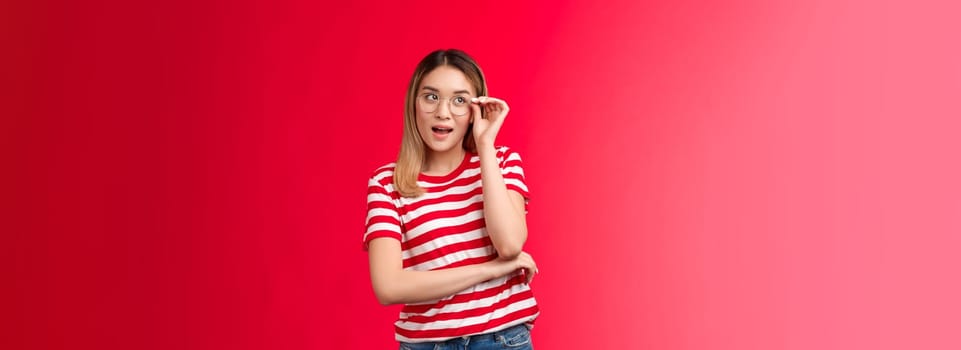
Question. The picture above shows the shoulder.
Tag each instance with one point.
(507, 154)
(383, 175)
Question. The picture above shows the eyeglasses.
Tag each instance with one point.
(459, 104)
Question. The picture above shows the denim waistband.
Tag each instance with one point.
(493, 334)
(491, 337)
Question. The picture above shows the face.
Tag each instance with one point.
(443, 108)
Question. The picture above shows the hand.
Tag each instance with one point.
(523, 262)
(487, 124)
(526, 262)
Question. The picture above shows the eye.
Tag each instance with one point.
(431, 97)
(460, 100)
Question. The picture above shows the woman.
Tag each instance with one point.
(446, 222)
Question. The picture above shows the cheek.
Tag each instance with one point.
(421, 121)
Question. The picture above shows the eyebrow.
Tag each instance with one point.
(455, 92)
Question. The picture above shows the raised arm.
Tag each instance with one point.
(503, 209)
(394, 285)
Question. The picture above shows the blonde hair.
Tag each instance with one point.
(410, 160)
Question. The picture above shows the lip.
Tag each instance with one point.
(440, 136)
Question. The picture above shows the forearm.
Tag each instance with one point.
(505, 220)
(395, 285)
(410, 287)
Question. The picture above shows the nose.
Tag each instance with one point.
(443, 110)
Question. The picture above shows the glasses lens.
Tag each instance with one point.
(427, 102)
(459, 105)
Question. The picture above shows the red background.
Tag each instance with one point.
(705, 174)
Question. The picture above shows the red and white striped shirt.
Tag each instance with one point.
(445, 228)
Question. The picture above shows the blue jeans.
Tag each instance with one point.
(515, 338)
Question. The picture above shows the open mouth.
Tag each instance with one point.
(442, 131)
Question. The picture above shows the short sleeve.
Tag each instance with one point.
(383, 219)
(512, 169)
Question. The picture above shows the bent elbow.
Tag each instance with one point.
(509, 245)
(509, 252)
(385, 294)
(385, 299)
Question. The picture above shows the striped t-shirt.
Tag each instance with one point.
(445, 228)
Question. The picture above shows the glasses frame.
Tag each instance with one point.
(450, 103)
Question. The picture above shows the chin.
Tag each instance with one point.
(445, 147)
(441, 148)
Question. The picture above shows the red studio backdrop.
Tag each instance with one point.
(704, 174)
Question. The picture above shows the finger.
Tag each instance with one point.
(481, 100)
(493, 101)
(475, 111)
(491, 108)
(491, 105)
(488, 106)
(487, 100)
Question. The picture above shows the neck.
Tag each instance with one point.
(440, 163)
